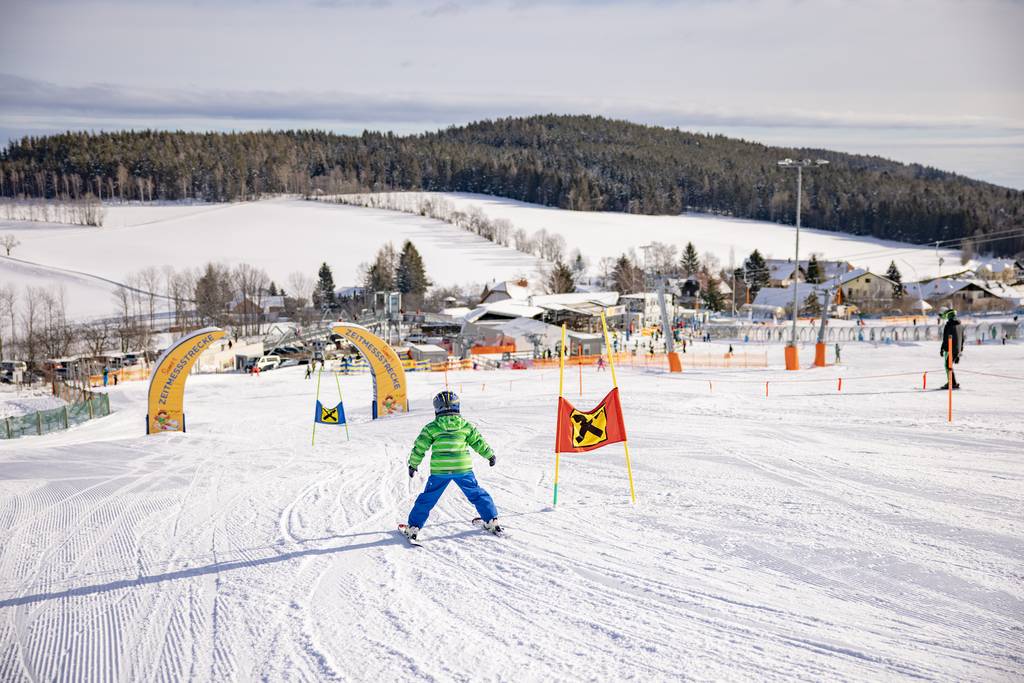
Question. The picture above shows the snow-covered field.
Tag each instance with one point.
(811, 535)
(286, 235)
(598, 234)
(280, 235)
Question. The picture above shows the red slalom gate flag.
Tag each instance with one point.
(580, 431)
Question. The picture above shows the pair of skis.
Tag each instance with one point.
(476, 521)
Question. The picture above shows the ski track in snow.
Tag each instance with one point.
(809, 536)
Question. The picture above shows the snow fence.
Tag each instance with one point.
(86, 407)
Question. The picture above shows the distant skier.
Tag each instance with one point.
(447, 436)
(838, 361)
(106, 375)
(954, 331)
(600, 363)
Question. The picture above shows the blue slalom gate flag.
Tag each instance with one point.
(329, 415)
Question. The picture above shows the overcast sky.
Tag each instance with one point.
(938, 82)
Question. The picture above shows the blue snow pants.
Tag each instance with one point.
(436, 485)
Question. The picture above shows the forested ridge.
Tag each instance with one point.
(572, 162)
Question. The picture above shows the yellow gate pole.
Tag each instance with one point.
(558, 422)
(615, 383)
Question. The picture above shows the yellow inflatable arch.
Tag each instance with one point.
(166, 411)
(389, 390)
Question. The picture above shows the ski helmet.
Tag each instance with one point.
(446, 403)
(949, 314)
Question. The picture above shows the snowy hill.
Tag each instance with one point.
(598, 234)
(281, 236)
(812, 535)
(285, 235)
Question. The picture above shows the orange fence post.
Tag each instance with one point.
(766, 389)
(840, 384)
(924, 381)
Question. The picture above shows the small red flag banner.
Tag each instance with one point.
(580, 431)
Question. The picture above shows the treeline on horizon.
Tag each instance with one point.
(571, 162)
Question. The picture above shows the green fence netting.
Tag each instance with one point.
(46, 421)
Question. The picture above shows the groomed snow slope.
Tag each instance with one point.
(812, 535)
(280, 235)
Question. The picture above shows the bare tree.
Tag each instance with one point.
(9, 242)
(7, 300)
(251, 284)
(150, 279)
(30, 323)
(56, 336)
(95, 337)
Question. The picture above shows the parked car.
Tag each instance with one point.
(13, 371)
(268, 362)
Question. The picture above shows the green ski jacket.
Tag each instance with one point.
(449, 436)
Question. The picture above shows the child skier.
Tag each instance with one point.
(448, 435)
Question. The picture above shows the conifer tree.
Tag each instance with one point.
(411, 275)
(690, 262)
(812, 304)
(627, 277)
(894, 274)
(323, 296)
(561, 280)
(381, 275)
(756, 272)
(814, 275)
(711, 296)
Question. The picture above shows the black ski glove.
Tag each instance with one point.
(492, 460)
(412, 471)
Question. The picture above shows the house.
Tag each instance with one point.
(781, 272)
(968, 295)
(769, 299)
(829, 270)
(999, 269)
(863, 287)
(505, 290)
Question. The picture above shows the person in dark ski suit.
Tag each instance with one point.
(955, 331)
(448, 437)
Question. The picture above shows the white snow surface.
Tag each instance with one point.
(16, 401)
(280, 235)
(811, 535)
(288, 234)
(605, 233)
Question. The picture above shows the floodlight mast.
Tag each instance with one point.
(799, 165)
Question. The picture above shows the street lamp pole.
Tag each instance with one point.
(799, 165)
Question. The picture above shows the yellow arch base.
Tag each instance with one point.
(389, 389)
(166, 411)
